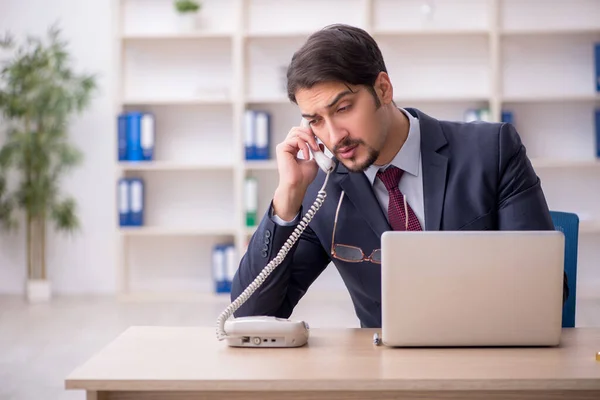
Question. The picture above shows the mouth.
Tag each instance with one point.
(347, 152)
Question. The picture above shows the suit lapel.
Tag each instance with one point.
(435, 168)
(360, 193)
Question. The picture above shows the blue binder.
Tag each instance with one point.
(249, 135)
(136, 136)
(597, 58)
(507, 117)
(136, 202)
(147, 136)
(122, 137)
(134, 143)
(123, 202)
(219, 269)
(262, 125)
(231, 264)
(597, 132)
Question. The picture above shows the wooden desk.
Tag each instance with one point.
(189, 363)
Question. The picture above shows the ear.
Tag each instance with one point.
(384, 88)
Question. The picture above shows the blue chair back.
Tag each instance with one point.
(568, 224)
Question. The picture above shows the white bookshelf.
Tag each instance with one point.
(443, 58)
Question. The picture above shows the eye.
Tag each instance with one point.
(345, 108)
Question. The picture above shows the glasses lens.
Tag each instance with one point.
(376, 257)
(348, 253)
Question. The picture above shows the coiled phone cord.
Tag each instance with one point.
(270, 267)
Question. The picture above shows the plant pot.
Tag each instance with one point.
(38, 290)
(187, 22)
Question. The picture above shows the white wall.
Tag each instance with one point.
(85, 263)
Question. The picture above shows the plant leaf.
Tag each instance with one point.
(64, 216)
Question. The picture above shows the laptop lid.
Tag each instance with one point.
(476, 288)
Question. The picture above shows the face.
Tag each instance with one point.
(347, 120)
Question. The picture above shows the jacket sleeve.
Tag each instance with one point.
(521, 201)
(286, 285)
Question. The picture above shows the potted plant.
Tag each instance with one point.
(187, 11)
(39, 93)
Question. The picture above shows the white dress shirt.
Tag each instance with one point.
(407, 159)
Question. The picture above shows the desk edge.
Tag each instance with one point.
(335, 385)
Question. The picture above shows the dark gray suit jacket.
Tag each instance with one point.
(476, 176)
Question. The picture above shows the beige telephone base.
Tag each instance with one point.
(265, 331)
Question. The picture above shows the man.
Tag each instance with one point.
(395, 169)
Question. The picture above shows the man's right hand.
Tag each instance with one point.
(295, 175)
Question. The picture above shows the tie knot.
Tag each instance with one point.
(390, 177)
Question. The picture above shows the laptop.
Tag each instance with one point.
(476, 288)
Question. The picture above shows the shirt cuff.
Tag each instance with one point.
(282, 222)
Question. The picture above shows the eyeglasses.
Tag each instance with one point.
(349, 253)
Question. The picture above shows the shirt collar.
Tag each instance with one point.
(407, 159)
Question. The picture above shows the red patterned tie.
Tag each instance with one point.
(398, 207)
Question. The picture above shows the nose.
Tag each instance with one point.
(336, 133)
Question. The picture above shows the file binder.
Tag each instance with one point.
(484, 115)
(507, 117)
(597, 132)
(597, 58)
(471, 115)
(251, 201)
(122, 137)
(219, 269)
(134, 144)
(477, 114)
(249, 135)
(140, 136)
(137, 201)
(123, 201)
(231, 264)
(263, 134)
(147, 136)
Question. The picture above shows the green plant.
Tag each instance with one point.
(39, 92)
(185, 6)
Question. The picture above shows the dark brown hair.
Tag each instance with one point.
(339, 53)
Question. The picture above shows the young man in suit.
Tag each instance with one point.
(395, 169)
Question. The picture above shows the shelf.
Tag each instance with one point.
(170, 166)
(262, 165)
(268, 100)
(551, 98)
(163, 231)
(589, 226)
(199, 83)
(430, 32)
(556, 163)
(276, 35)
(442, 99)
(177, 36)
(550, 31)
(176, 101)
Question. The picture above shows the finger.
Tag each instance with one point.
(293, 146)
(306, 151)
(306, 135)
(310, 140)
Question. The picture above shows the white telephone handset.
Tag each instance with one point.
(267, 331)
(324, 162)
